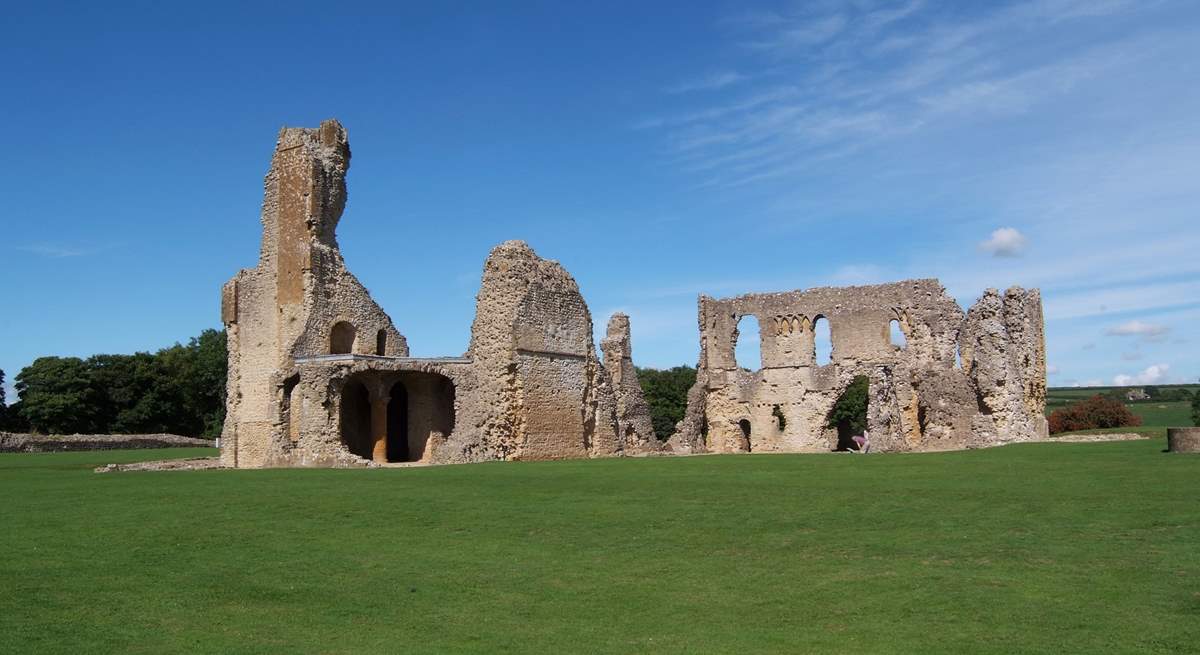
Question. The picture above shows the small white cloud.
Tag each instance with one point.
(1135, 328)
(1094, 382)
(1150, 375)
(1051, 370)
(1005, 242)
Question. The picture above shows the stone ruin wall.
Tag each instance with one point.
(288, 303)
(531, 385)
(633, 414)
(920, 397)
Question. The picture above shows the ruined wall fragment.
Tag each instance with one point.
(919, 398)
(634, 425)
(286, 306)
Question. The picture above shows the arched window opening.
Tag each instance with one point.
(356, 419)
(822, 341)
(381, 342)
(896, 334)
(849, 413)
(745, 427)
(747, 351)
(291, 407)
(341, 338)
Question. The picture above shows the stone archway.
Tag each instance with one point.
(355, 419)
(421, 410)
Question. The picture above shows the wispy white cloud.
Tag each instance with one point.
(53, 251)
(709, 82)
(1136, 328)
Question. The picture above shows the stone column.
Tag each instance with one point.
(1183, 440)
(379, 406)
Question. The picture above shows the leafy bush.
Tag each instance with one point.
(1093, 413)
(849, 413)
(666, 393)
(1196, 409)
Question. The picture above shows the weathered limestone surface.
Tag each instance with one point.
(319, 376)
(633, 414)
(288, 305)
(1183, 440)
(920, 398)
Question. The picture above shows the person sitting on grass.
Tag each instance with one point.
(863, 441)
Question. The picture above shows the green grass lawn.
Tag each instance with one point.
(1037, 548)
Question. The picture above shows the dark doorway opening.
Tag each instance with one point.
(397, 424)
(745, 426)
(356, 419)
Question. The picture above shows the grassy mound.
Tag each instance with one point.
(1051, 548)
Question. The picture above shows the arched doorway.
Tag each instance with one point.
(744, 424)
(849, 413)
(356, 419)
(420, 409)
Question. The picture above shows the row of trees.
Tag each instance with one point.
(181, 390)
(178, 390)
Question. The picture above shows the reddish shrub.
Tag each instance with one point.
(1091, 414)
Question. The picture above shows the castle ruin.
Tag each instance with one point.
(320, 376)
(955, 381)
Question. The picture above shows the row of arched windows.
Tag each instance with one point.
(747, 350)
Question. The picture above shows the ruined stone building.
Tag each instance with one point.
(320, 376)
(954, 381)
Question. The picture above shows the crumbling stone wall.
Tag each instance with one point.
(535, 360)
(13, 442)
(319, 376)
(633, 413)
(287, 305)
(920, 398)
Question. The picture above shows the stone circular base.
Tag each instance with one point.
(1183, 440)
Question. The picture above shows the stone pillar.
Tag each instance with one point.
(379, 406)
(1183, 440)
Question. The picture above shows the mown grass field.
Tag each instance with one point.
(1038, 548)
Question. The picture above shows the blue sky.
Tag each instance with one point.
(658, 152)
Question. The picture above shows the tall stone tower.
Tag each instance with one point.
(299, 301)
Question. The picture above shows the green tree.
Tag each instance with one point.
(849, 413)
(57, 396)
(666, 394)
(180, 389)
(3, 405)
(1196, 409)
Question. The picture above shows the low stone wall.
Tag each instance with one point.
(37, 443)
